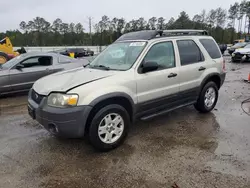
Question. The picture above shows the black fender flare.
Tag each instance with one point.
(207, 78)
(112, 95)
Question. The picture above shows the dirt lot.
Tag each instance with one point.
(182, 147)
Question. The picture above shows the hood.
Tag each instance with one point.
(243, 50)
(66, 80)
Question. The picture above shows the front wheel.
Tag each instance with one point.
(208, 98)
(109, 127)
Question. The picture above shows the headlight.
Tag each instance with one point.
(62, 100)
(233, 54)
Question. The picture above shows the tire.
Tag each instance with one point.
(233, 60)
(3, 58)
(98, 122)
(200, 104)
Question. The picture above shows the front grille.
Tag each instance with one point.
(36, 97)
(239, 56)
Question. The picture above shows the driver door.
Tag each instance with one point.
(22, 79)
(159, 89)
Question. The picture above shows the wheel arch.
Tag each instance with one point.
(119, 98)
(215, 77)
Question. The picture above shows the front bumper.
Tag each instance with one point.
(239, 57)
(64, 122)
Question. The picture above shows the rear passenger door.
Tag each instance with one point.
(192, 66)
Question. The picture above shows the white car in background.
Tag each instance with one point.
(242, 54)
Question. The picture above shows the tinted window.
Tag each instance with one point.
(189, 52)
(37, 61)
(211, 48)
(163, 54)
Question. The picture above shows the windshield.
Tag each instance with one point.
(11, 62)
(241, 44)
(118, 56)
(247, 46)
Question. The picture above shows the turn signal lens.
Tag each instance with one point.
(72, 100)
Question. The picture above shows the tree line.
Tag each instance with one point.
(224, 25)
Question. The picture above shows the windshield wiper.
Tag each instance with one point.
(100, 66)
(86, 65)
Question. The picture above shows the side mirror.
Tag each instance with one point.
(19, 67)
(149, 66)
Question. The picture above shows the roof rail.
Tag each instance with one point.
(180, 32)
(139, 35)
(150, 34)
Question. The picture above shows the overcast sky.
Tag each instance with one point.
(12, 12)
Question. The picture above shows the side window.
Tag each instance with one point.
(64, 59)
(163, 54)
(211, 48)
(189, 52)
(37, 62)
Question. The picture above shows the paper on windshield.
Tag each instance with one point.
(137, 44)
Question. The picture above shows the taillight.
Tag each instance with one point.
(224, 65)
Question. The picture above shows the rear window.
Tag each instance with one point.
(211, 48)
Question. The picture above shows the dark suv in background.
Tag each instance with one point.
(78, 52)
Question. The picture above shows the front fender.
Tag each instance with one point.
(96, 96)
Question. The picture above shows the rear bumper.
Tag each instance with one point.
(222, 78)
(64, 122)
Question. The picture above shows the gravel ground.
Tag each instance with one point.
(183, 147)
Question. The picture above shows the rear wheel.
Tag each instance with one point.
(208, 98)
(3, 58)
(109, 127)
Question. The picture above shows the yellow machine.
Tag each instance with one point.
(6, 50)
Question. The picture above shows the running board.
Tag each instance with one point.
(166, 111)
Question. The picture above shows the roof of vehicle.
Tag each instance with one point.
(34, 54)
(153, 34)
(39, 53)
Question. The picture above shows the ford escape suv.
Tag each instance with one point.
(141, 75)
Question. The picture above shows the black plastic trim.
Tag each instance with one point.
(166, 103)
(112, 95)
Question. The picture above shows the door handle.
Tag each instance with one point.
(202, 68)
(172, 75)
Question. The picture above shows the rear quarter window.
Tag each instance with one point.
(211, 48)
(64, 59)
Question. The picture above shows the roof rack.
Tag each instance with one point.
(151, 34)
(139, 35)
(180, 32)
